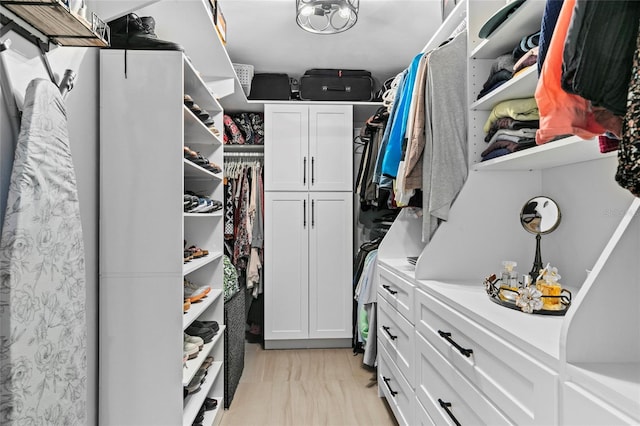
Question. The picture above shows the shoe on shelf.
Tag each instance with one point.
(188, 100)
(194, 340)
(193, 293)
(205, 333)
(207, 362)
(135, 33)
(190, 350)
(210, 404)
(186, 306)
(210, 324)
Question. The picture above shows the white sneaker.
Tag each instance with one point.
(194, 293)
(190, 350)
(195, 340)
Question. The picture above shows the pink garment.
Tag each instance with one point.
(561, 113)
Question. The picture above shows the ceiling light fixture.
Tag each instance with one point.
(326, 16)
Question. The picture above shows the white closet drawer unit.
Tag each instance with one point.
(398, 292)
(395, 388)
(446, 395)
(525, 390)
(421, 416)
(582, 408)
(396, 335)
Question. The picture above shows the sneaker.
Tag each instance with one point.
(208, 324)
(190, 350)
(194, 340)
(131, 32)
(206, 334)
(193, 293)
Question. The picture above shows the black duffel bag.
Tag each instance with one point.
(336, 85)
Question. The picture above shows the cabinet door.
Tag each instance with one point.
(330, 147)
(330, 264)
(286, 147)
(286, 265)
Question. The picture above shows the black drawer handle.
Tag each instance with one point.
(386, 382)
(385, 328)
(388, 288)
(446, 406)
(447, 337)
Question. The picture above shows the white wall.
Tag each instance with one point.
(24, 64)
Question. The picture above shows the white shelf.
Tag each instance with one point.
(195, 87)
(616, 383)
(217, 213)
(196, 264)
(524, 21)
(400, 267)
(198, 308)
(195, 132)
(562, 152)
(193, 171)
(455, 18)
(191, 366)
(193, 402)
(522, 86)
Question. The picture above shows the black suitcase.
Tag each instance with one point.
(270, 86)
(336, 85)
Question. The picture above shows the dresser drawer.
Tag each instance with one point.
(522, 387)
(447, 395)
(396, 334)
(421, 417)
(395, 388)
(397, 291)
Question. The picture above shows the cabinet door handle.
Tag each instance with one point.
(304, 214)
(386, 329)
(304, 171)
(313, 213)
(313, 170)
(388, 288)
(386, 382)
(447, 337)
(445, 406)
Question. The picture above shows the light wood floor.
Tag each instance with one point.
(306, 387)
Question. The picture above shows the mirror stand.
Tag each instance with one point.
(537, 261)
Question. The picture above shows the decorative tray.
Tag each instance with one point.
(527, 299)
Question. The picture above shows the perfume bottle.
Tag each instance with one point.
(509, 280)
(547, 284)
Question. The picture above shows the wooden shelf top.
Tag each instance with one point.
(53, 19)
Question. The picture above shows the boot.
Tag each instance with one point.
(131, 32)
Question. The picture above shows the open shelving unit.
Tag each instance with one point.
(54, 20)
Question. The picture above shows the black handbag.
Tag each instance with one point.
(270, 86)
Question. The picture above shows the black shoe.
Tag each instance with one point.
(207, 324)
(210, 404)
(131, 32)
(205, 333)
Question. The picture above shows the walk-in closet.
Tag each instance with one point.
(395, 212)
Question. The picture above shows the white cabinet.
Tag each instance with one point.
(308, 257)
(308, 147)
(496, 365)
(308, 225)
(143, 177)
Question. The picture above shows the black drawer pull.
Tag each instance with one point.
(385, 328)
(386, 382)
(446, 406)
(447, 337)
(388, 288)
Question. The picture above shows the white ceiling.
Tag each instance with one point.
(388, 34)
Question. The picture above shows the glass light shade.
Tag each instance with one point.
(326, 16)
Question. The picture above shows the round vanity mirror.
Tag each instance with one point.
(540, 215)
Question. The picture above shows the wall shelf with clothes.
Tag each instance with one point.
(571, 361)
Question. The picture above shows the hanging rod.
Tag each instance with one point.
(244, 154)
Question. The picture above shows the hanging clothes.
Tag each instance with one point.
(561, 113)
(628, 171)
(445, 153)
(597, 58)
(43, 338)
